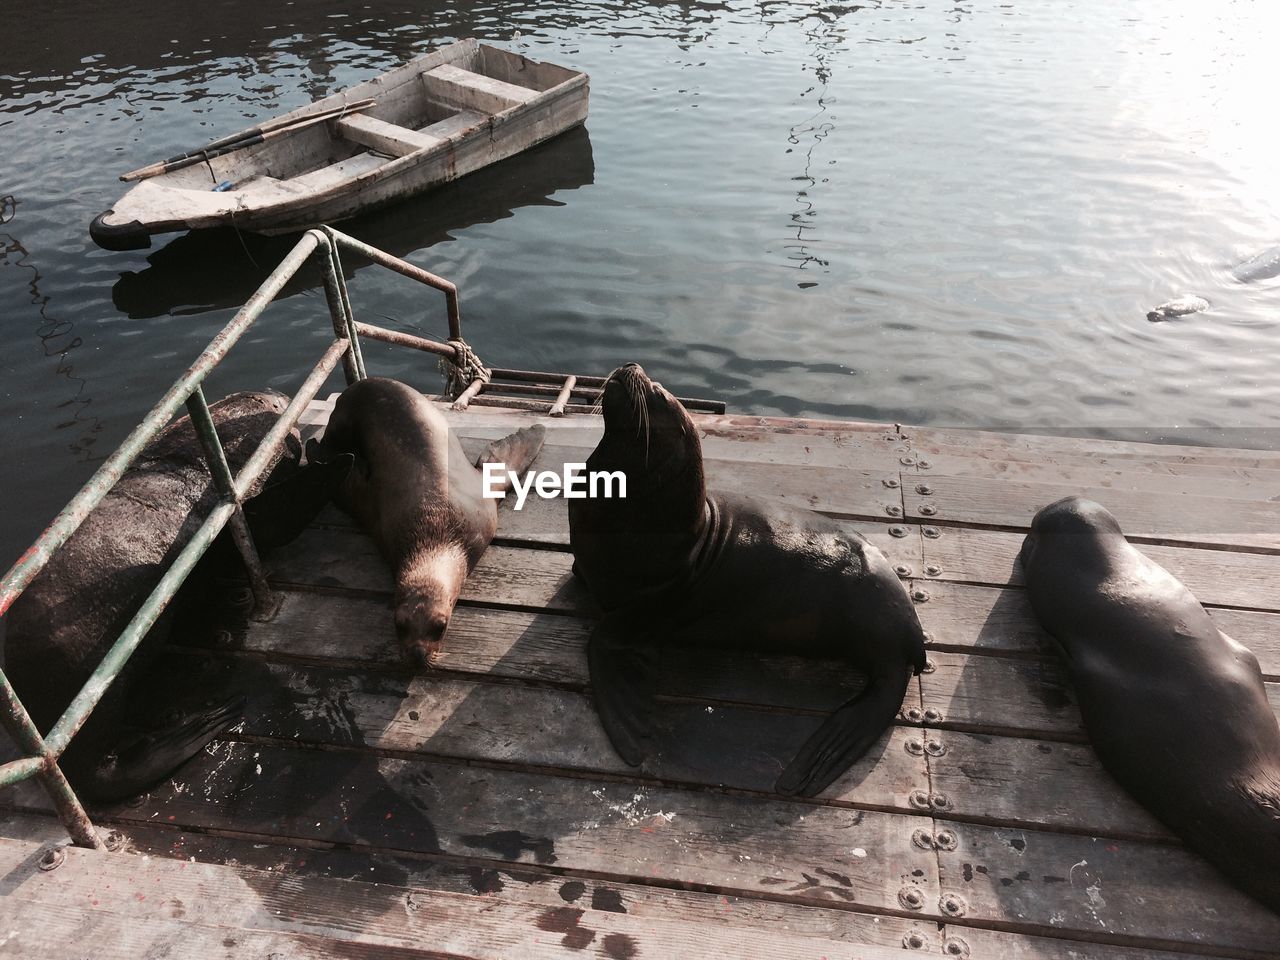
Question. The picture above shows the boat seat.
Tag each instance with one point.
(382, 136)
(466, 90)
(451, 126)
(335, 173)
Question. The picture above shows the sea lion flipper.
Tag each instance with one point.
(622, 686)
(515, 452)
(845, 736)
(136, 761)
(286, 506)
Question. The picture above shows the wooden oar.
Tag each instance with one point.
(245, 138)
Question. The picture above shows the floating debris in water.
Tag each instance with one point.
(1178, 308)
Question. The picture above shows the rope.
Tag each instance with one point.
(463, 368)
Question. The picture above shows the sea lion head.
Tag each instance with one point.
(425, 596)
(629, 545)
(1086, 525)
(648, 431)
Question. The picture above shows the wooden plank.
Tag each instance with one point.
(1033, 783)
(344, 558)
(358, 633)
(524, 883)
(546, 522)
(1153, 895)
(868, 446)
(510, 576)
(1187, 519)
(463, 89)
(987, 620)
(547, 728)
(998, 945)
(723, 438)
(1216, 577)
(335, 173)
(360, 630)
(927, 441)
(241, 904)
(383, 137)
(729, 843)
(454, 125)
(1015, 697)
(65, 930)
(1153, 477)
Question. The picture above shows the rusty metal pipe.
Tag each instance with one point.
(109, 669)
(338, 306)
(42, 763)
(406, 340)
(538, 376)
(542, 389)
(257, 464)
(409, 270)
(354, 359)
(220, 470)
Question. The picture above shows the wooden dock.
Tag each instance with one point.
(484, 814)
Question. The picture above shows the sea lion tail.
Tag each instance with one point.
(516, 452)
(846, 735)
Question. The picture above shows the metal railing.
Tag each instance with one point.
(42, 752)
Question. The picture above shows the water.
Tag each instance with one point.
(907, 212)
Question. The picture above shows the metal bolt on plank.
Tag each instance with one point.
(911, 898)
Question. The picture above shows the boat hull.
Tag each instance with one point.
(447, 114)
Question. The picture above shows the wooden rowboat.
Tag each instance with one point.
(437, 118)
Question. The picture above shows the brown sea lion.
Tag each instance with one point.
(59, 629)
(1176, 710)
(418, 495)
(674, 566)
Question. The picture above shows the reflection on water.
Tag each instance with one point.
(918, 213)
(806, 136)
(57, 340)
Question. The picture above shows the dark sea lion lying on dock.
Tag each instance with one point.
(414, 491)
(1175, 709)
(58, 631)
(674, 566)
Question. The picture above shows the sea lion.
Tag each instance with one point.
(415, 492)
(59, 629)
(1176, 710)
(1181, 307)
(1263, 266)
(674, 566)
